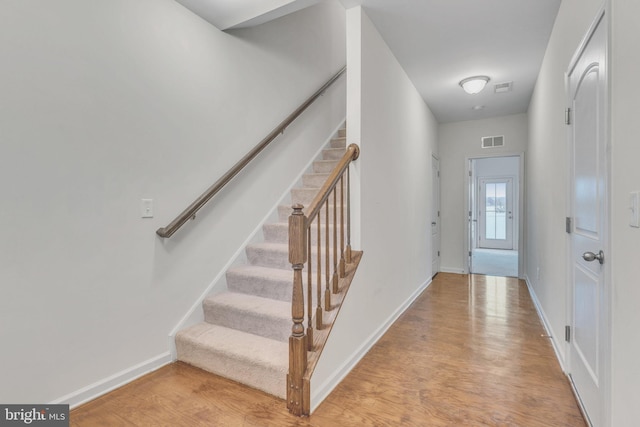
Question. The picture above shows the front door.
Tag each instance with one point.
(587, 83)
(495, 213)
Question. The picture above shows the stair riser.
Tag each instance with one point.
(333, 154)
(342, 133)
(339, 143)
(275, 328)
(280, 290)
(279, 233)
(285, 211)
(314, 180)
(280, 259)
(305, 196)
(265, 378)
(324, 166)
(264, 287)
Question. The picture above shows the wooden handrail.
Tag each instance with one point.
(193, 208)
(300, 224)
(353, 152)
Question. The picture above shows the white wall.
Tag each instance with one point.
(458, 142)
(625, 241)
(397, 137)
(497, 166)
(547, 166)
(108, 102)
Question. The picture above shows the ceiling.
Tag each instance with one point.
(230, 14)
(438, 43)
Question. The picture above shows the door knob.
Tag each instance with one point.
(590, 256)
(433, 223)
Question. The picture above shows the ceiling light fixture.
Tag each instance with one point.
(475, 84)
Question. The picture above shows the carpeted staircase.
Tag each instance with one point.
(245, 333)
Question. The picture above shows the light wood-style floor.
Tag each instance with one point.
(470, 351)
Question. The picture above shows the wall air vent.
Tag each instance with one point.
(492, 141)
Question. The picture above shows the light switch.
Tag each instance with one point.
(634, 212)
(146, 208)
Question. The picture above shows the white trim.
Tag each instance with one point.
(452, 270)
(333, 380)
(583, 411)
(560, 354)
(467, 203)
(113, 382)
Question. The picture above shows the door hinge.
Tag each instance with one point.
(567, 333)
(438, 253)
(469, 173)
(469, 253)
(438, 214)
(439, 174)
(567, 116)
(568, 225)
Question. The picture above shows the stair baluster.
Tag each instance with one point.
(335, 240)
(318, 286)
(327, 291)
(348, 248)
(309, 296)
(342, 261)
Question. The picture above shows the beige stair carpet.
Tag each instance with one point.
(245, 333)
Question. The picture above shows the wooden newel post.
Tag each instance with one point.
(297, 340)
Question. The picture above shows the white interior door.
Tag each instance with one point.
(587, 91)
(495, 213)
(435, 216)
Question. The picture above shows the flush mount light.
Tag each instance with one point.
(474, 84)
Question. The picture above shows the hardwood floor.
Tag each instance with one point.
(470, 351)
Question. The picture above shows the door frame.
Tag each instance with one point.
(469, 178)
(435, 198)
(603, 16)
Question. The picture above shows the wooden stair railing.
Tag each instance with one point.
(193, 208)
(305, 346)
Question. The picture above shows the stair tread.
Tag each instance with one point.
(261, 281)
(260, 271)
(276, 274)
(282, 248)
(274, 246)
(238, 344)
(283, 224)
(250, 303)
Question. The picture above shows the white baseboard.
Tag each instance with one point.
(108, 384)
(332, 382)
(452, 270)
(547, 325)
